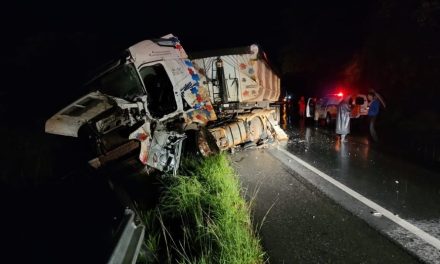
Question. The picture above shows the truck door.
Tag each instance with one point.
(164, 150)
(160, 91)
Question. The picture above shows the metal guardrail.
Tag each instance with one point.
(129, 240)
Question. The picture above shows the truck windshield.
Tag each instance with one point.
(122, 82)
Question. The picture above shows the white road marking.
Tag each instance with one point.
(396, 219)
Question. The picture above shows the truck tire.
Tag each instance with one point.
(199, 143)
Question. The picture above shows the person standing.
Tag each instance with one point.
(302, 107)
(343, 118)
(373, 111)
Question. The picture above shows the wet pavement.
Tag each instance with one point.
(302, 225)
(406, 189)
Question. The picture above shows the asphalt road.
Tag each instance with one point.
(301, 224)
(411, 191)
(407, 189)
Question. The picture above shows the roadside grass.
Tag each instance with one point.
(201, 218)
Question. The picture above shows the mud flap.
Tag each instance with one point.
(165, 151)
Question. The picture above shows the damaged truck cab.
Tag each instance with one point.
(146, 101)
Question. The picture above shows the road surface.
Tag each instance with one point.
(408, 192)
(302, 225)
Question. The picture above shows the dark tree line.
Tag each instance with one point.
(401, 58)
(388, 45)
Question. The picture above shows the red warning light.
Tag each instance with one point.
(340, 94)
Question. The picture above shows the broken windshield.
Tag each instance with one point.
(122, 82)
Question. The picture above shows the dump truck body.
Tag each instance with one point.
(240, 76)
(241, 83)
(153, 94)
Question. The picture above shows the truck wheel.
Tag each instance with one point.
(199, 142)
(206, 143)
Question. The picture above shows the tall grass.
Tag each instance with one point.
(201, 218)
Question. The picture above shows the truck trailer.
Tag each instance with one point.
(153, 97)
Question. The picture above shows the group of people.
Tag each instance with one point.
(344, 115)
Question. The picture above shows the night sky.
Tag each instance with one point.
(314, 45)
(321, 27)
(202, 25)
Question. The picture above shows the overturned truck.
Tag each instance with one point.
(153, 97)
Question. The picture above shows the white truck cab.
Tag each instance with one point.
(152, 97)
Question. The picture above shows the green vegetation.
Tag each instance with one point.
(201, 218)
